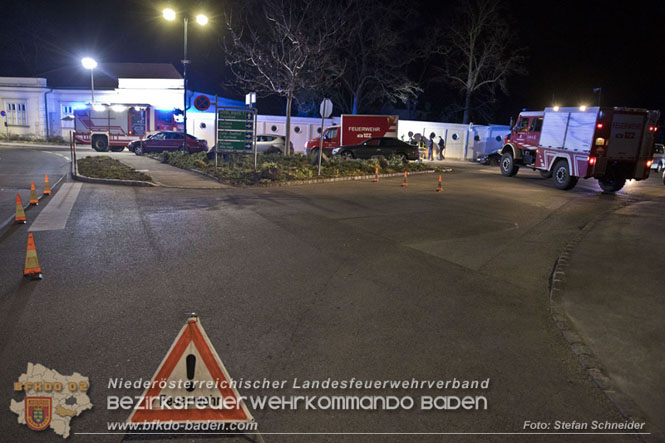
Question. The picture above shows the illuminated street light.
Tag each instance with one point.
(556, 108)
(583, 108)
(89, 63)
(169, 14)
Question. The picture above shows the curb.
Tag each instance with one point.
(111, 181)
(585, 356)
(342, 179)
(10, 221)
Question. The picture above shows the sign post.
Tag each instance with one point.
(325, 110)
(4, 114)
(250, 100)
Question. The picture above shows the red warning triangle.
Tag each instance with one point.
(191, 384)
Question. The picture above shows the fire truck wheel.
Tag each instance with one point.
(561, 175)
(508, 166)
(100, 144)
(546, 174)
(117, 148)
(611, 184)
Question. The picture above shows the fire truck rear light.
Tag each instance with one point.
(600, 141)
(592, 161)
(651, 128)
(599, 126)
(649, 163)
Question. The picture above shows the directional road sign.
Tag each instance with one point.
(235, 129)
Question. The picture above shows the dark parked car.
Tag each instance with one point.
(167, 141)
(379, 146)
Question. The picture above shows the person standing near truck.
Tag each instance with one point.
(442, 148)
(431, 146)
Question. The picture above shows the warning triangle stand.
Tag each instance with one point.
(191, 372)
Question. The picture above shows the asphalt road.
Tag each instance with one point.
(19, 165)
(342, 280)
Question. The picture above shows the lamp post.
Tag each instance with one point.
(91, 64)
(169, 14)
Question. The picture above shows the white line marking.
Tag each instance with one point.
(54, 216)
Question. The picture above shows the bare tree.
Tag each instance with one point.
(481, 53)
(375, 56)
(284, 49)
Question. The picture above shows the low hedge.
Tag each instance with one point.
(238, 169)
(107, 167)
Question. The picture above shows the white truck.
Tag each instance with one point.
(611, 145)
(114, 126)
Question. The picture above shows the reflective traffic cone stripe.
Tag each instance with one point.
(20, 213)
(376, 175)
(31, 268)
(439, 189)
(47, 186)
(404, 183)
(33, 194)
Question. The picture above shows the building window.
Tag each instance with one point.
(16, 113)
(66, 116)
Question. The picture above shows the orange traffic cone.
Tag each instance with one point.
(376, 175)
(47, 186)
(31, 268)
(440, 188)
(33, 194)
(20, 213)
(404, 183)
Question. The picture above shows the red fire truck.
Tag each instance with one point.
(611, 145)
(353, 130)
(115, 126)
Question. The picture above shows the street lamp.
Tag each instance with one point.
(89, 63)
(169, 14)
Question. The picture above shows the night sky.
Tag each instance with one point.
(572, 46)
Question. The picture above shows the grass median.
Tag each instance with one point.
(107, 167)
(238, 169)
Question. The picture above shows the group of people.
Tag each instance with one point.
(433, 147)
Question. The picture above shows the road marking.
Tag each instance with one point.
(54, 216)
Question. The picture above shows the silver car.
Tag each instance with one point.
(271, 144)
(658, 158)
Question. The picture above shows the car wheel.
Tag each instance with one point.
(561, 175)
(508, 166)
(402, 157)
(138, 149)
(546, 174)
(611, 184)
(273, 150)
(347, 155)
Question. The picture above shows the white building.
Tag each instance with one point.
(40, 107)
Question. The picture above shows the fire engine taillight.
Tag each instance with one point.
(649, 163)
(592, 161)
(600, 141)
(599, 126)
(652, 128)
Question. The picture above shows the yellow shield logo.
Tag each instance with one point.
(38, 412)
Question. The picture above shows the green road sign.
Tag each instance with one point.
(234, 135)
(228, 114)
(234, 145)
(246, 125)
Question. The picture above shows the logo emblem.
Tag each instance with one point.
(38, 412)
